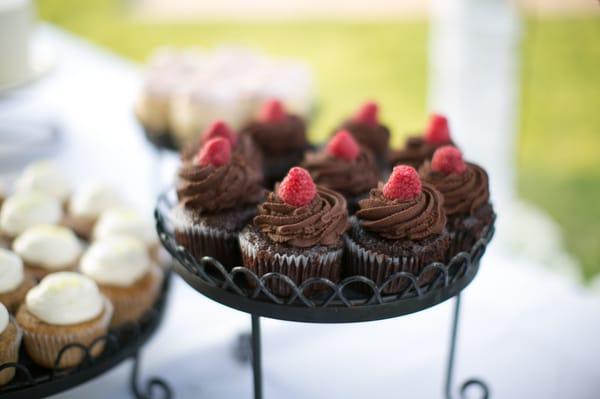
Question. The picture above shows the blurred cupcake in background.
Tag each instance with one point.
(126, 275)
(370, 132)
(27, 209)
(217, 193)
(418, 149)
(46, 249)
(465, 188)
(10, 341)
(14, 282)
(44, 176)
(280, 136)
(344, 166)
(87, 204)
(64, 308)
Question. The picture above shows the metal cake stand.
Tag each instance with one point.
(354, 299)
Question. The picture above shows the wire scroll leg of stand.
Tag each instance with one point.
(154, 388)
(473, 382)
(256, 358)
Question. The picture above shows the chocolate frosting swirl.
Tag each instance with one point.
(278, 138)
(346, 177)
(375, 138)
(415, 152)
(463, 193)
(208, 189)
(415, 219)
(321, 222)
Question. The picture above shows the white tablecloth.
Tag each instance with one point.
(526, 331)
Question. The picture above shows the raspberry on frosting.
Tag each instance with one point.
(367, 114)
(448, 159)
(403, 184)
(215, 152)
(297, 188)
(272, 111)
(219, 128)
(438, 131)
(343, 146)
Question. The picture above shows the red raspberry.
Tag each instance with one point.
(272, 111)
(297, 188)
(343, 146)
(448, 159)
(403, 184)
(367, 114)
(215, 152)
(219, 128)
(438, 131)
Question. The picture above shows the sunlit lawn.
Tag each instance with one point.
(559, 145)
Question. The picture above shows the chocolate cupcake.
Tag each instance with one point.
(466, 196)
(281, 137)
(10, 341)
(344, 166)
(418, 149)
(369, 132)
(242, 145)
(217, 195)
(297, 232)
(400, 227)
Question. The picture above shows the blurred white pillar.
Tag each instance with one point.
(473, 75)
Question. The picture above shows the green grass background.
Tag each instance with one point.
(558, 150)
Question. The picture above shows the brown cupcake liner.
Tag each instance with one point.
(378, 267)
(130, 303)
(298, 268)
(38, 271)
(81, 225)
(464, 233)
(202, 240)
(13, 299)
(44, 342)
(9, 350)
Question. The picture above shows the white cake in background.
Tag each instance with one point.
(16, 22)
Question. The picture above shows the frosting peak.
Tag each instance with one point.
(24, 210)
(11, 271)
(51, 247)
(321, 222)
(414, 219)
(46, 177)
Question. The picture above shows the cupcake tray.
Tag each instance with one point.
(32, 381)
(354, 299)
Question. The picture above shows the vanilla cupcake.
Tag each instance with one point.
(10, 340)
(24, 210)
(86, 205)
(46, 249)
(125, 274)
(65, 308)
(130, 223)
(14, 282)
(45, 177)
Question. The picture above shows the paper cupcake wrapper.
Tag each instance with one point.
(298, 268)
(10, 354)
(131, 306)
(13, 299)
(44, 348)
(378, 267)
(462, 237)
(203, 241)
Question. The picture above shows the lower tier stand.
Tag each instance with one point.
(154, 388)
(473, 382)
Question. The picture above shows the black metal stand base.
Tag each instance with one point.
(154, 387)
(473, 382)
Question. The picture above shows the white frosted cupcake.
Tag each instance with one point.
(45, 177)
(46, 249)
(128, 222)
(14, 282)
(86, 205)
(126, 275)
(10, 340)
(65, 308)
(24, 210)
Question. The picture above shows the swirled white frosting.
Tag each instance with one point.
(65, 298)
(11, 271)
(125, 222)
(3, 318)
(91, 199)
(51, 247)
(44, 176)
(116, 260)
(24, 210)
